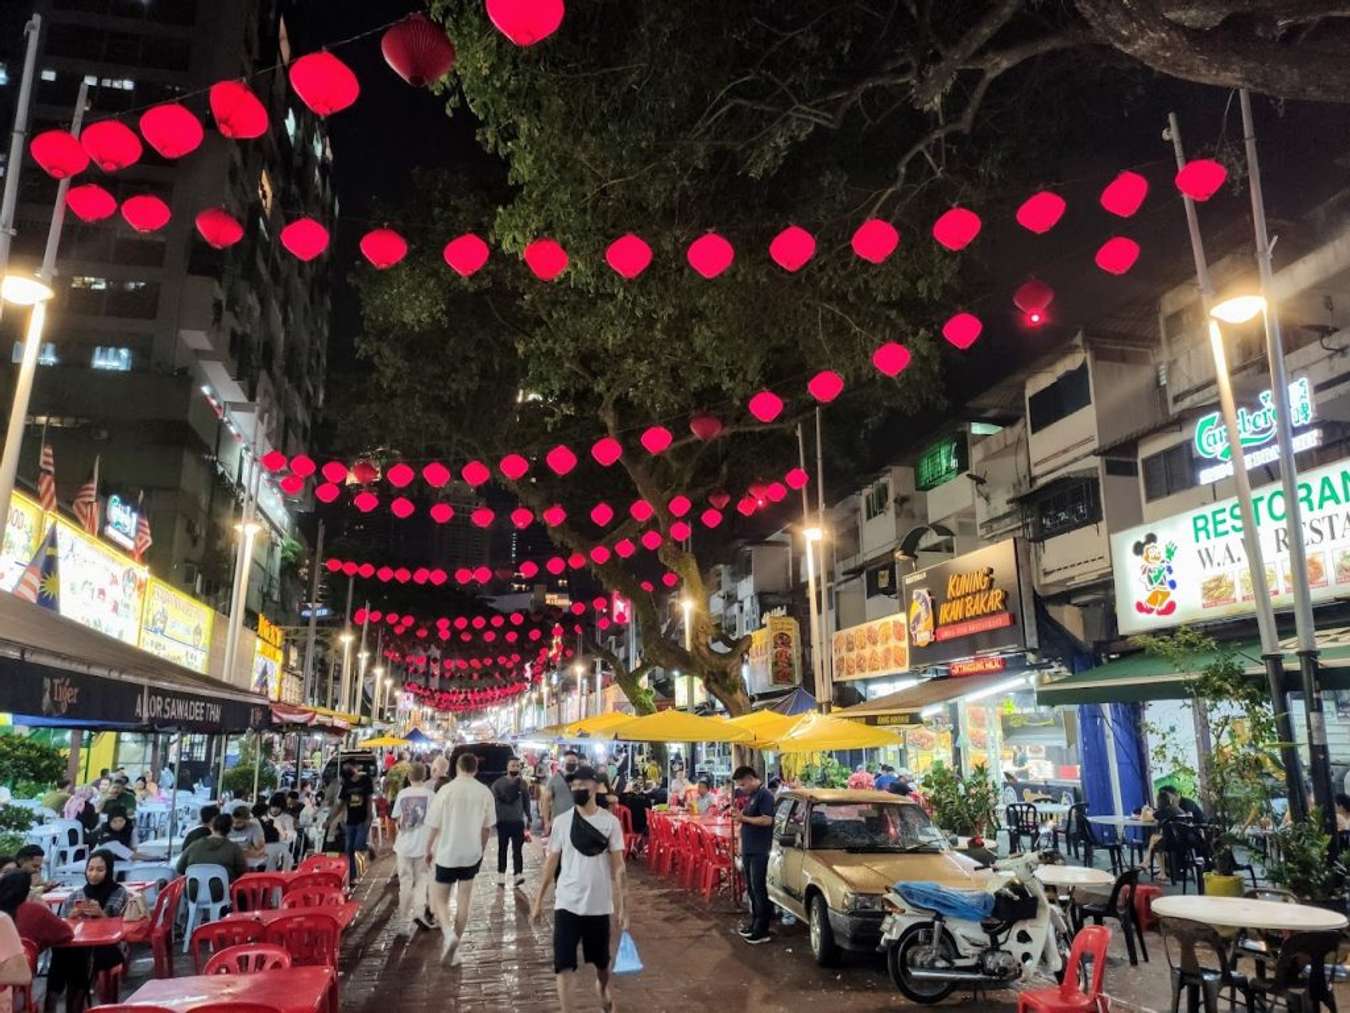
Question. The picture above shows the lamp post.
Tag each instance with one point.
(345, 638)
(579, 670)
(362, 657)
(248, 533)
(824, 682)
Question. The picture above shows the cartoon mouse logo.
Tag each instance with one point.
(1155, 572)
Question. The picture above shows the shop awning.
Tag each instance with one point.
(676, 726)
(822, 733)
(919, 696)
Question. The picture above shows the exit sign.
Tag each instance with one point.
(941, 462)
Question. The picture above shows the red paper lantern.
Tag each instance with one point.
(766, 406)
(305, 238)
(441, 513)
(59, 153)
(776, 492)
(466, 254)
(403, 575)
(402, 508)
(792, 248)
(656, 439)
(111, 144)
(349, 568)
(825, 386)
(526, 22)
(482, 517)
(482, 574)
(640, 510)
(560, 460)
(418, 50)
(462, 576)
(383, 248)
(554, 515)
(333, 565)
(680, 530)
(1200, 178)
(365, 472)
(962, 330)
(710, 255)
(171, 130)
(796, 478)
(326, 492)
(335, 471)
(1125, 194)
(385, 574)
(366, 501)
(601, 514)
(719, 499)
(435, 474)
(237, 111)
(546, 258)
(513, 466)
(90, 202)
(606, 451)
(1033, 298)
(891, 359)
(648, 586)
(555, 565)
(400, 475)
(599, 555)
(624, 547)
(475, 473)
(670, 579)
(145, 213)
(629, 256)
(875, 240)
(1117, 255)
(219, 228)
(420, 576)
(522, 517)
(956, 228)
(1041, 212)
(576, 561)
(679, 505)
(292, 485)
(705, 427)
(711, 517)
(651, 540)
(273, 460)
(528, 569)
(302, 465)
(324, 83)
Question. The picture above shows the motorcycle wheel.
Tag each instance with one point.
(902, 954)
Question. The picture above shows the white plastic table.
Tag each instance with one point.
(1241, 913)
(1072, 875)
(1123, 821)
(159, 847)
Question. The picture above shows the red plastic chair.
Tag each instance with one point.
(313, 898)
(631, 841)
(1091, 941)
(315, 881)
(659, 844)
(233, 1006)
(693, 852)
(311, 938)
(250, 958)
(134, 1007)
(216, 936)
(258, 891)
(326, 863)
(158, 929)
(717, 866)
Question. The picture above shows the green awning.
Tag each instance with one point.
(1140, 677)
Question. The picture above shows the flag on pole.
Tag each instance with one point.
(47, 478)
(143, 540)
(40, 581)
(86, 503)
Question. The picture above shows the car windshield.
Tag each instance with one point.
(873, 826)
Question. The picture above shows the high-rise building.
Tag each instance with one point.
(163, 357)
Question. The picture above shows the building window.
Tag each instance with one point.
(1070, 392)
(46, 357)
(112, 357)
(1169, 472)
(48, 74)
(1071, 505)
(878, 500)
(1122, 467)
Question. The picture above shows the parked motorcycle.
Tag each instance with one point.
(937, 941)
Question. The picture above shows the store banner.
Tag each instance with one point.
(100, 588)
(979, 603)
(268, 657)
(22, 534)
(176, 708)
(869, 650)
(36, 690)
(1192, 567)
(176, 627)
(775, 656)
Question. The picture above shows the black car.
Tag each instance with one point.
(492, 758)
(362, 759)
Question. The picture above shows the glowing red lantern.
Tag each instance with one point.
(418, 50)
(1041, 212)
(475, 473)
(385, 574)
(482, 574)
(441, 513)
(655, 439)
(606, 451)
(402, 508)
(651, 540)
(366, 501)
(560, 460)
(335, 471)
(679, 505)
(629, 256)
(776, 492)
(792, 248)
(670, 579)
(365, 472)
(273, 460)
(640, 510)
(1125, 194)
(875, 240)
(526, 22)
(710, 255)
(111, 144)
(528, 569)
(400, 475)
(237, 111)
(747, 505)
(1199, 179)
(482, 516)
(648, 586)
(601, 514)
(624, 548)
(435, 474)
(383, 248)
(466, 254)
(766, 406)
(719, 499)
(825, 386)
(705, 427)
(599, 555)
(219, 228)
(302, 465)
(326, 492)
(145, 213)
(576, 561)
(333, 565)
(171, 130)
(554, 515)
(403, 575)
(796, 478)
(522, 517)
(555, 565)
(59, 153)
(956, 228)
(513, 466)
(546, 258)
(292, 485)
(90, 202)
(962, 330)
(462, 576)
(1033, 298)
(324, 83)
(305, 238)
(680, 530)
(349, 568)
(1117, 255)
(891, 359)
(420, 576)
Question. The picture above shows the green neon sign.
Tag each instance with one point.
(1256, 427)
(940, 463)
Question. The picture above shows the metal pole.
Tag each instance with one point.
(173, 797)
(361, 656)
(1265, 615)
(18, 140)
(311, 691)
(257, 763)
(344, 693)
(37, 319)
(817, 679)
(243, 560)
(224, 752)
(826, 593)
(1319, 759)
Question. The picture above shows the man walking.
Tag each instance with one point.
(355, 798)
(586, 848)
(756, 820)
(410, 847)
(513, 814)
(461, 817)
(557, 796)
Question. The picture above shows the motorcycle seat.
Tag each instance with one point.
(994, 926)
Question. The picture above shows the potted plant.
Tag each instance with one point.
(1301, 864)
(964, 806)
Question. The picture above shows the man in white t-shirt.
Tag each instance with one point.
(410, 847)
(461, 817)
(589, 890)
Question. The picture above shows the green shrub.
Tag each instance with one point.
(15, 819)
(965, 806)
(238, 779)
(24, 760)
(10, 843)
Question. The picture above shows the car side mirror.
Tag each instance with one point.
(790, 838)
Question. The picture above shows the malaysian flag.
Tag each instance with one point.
(86, 503)
(143, 540)
(47, 478)
(39, 583)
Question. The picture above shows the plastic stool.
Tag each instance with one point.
(1143, 905)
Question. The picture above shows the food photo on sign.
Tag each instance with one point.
(879, 647)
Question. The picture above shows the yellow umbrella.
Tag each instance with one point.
(678, 726)
(767, 726)
(384, 742)
(596, 724)
(819, 733)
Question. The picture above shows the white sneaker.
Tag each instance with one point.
(456, 958)
(449, 943)
(501, 880)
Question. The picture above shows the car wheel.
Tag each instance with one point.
(823, 947)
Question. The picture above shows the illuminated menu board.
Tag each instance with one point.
(22, 535)
(100, 587)
(175, 627)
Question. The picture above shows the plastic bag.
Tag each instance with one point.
(627, 961)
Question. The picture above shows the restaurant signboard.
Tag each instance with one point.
(774, 658)
(872, 649)
(176, 627)
(268, 658)
(100, 588)
(22, 534)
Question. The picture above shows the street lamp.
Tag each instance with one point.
(21, 290)
(812, 536)
(579, 670)
(345, 638)
(248, 532)
(1239, 309)
(24, 290)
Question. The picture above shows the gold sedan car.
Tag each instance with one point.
(836, 852)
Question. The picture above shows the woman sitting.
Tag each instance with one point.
(81, 807)
(34, 920)
(72, 969)
(118, 831)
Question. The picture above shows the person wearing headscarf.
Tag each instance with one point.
(118, 830)
(81, 807)
(72, 969)
(34, 920)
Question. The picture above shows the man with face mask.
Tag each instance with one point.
(557, 796)
(513, 813)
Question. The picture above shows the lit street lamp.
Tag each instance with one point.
(345, 638)
(579, 670)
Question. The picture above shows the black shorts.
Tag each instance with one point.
(457, 873)
(591, 931)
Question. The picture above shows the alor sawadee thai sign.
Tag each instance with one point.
(1192, 567)
(1256, 431)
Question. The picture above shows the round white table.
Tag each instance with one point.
(1051, 808)
(1072, 875)
(1240, 913)
(1123, 821)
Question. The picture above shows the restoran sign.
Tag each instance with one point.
(1192, 567)
(1256, 432)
